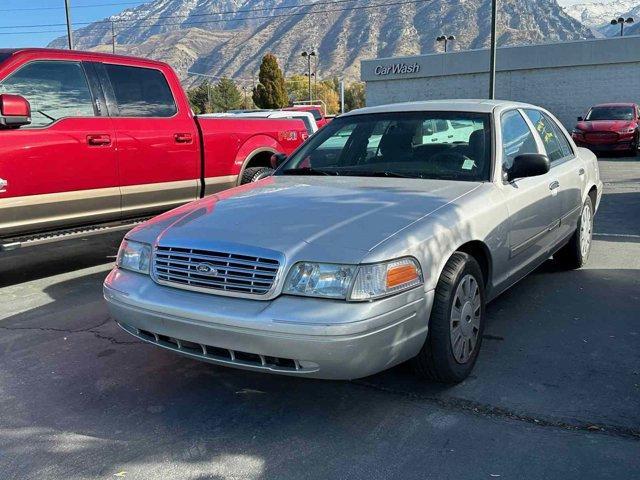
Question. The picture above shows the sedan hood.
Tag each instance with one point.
(605, 125)
(286, 214)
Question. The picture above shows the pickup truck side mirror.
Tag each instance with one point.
(277, 159)
(528, 165)
(15, 111)
(581, 119)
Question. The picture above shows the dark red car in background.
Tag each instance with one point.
(612, 127)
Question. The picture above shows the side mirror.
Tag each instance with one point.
(581, 119)
(528, 165)
(15, 111)
(277, 159)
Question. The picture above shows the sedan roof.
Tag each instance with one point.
(456, 105)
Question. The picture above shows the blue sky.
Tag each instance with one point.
(14, 13)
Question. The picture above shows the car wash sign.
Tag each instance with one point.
(399, 68)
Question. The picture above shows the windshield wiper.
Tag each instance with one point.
(308, 171)
(375, 173)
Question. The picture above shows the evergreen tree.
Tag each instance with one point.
(270, 91)
(226, 96)
(199, 98)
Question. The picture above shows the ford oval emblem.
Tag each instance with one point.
(206, 269)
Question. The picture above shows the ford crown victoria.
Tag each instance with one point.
(373, 245)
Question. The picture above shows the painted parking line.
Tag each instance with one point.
(617, 235)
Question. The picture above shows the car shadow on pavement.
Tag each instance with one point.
(32, 263)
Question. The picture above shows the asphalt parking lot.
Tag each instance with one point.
(555, 394)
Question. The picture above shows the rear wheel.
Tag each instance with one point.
(575, 254)
(253, 174)
(456, 324)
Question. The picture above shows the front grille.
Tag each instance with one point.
(214, 270)
(602, 136)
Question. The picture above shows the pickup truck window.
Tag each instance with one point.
(141, 92)
(393, 145)
(55, 90)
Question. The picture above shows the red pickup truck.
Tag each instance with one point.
(89, 140)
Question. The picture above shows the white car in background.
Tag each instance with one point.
(306, 117)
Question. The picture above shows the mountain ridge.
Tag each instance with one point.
(194, 35)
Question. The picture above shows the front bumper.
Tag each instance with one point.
(622, 145)
(289, 335)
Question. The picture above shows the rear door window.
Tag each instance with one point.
(141, 92)
(555, 143)
(55, 90)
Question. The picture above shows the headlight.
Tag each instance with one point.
(134, 256)
(320, 280)
(352, 282)
(627, 130)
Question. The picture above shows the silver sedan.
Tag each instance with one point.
(380, 240)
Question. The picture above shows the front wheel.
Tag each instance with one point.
(456, 324)
(575, 254)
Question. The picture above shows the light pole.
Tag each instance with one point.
(113, 37)
(621, 21)
(315, 82)
(446, 39)
(67, 8)
(492, 60)
(308, 55)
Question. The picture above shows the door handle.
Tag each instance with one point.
(183, 138)
(3, 185)
(98, 140)
(554, 185)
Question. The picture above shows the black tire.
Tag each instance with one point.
(253, 174)
(436, 361)
(572, 256)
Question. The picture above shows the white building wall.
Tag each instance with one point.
(564, 78)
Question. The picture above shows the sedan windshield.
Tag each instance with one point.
(610, 113)
(435, 145)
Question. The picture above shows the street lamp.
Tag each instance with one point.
(308, 55)
(621, 21)
(446, 39)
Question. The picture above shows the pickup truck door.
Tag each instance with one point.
(157, 139)
(61, 170)
(567, 168)
(533, 205)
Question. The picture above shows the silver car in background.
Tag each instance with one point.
(377, 242)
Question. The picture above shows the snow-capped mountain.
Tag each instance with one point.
(597, 15)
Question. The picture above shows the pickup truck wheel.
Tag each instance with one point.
(576, 253)
(253, 174)
(456, 324)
